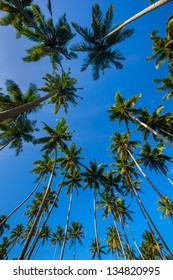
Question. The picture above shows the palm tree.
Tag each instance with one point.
(124, 111)
(15, 236)
(55, 139)
(51, 39)
(167, 85)
(16, 132)
(149, 246)
(100, 54)
(45, 235)
(122, 146)
(126, 170)
(3, 224)
(93, 249)
(140, 14)
(112, 242)
(155, 159)
(75, 233)
(60, 89)
(3, 248)
(73, 182)
(163, 207)
(94, 177)
(57, 239)
(162, 47)
(13, 14)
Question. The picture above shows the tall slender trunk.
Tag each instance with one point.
(47, 217)
(119, 238)
(151, 130)
(147, 217)
(74, 252)
(54, 255)
(95, 227)
(14, 112)
(66, 226)
(149, 181)
(140, 14)
(29, 237)
(15, 209)
(27, 16)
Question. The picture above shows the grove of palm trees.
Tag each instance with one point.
(86, 130)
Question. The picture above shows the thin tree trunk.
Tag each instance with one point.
(166, 132)
(14, 112)
(95, 227)
(47, 217)
(119, 238)
(125, 235)
(74, 252)
(54, 255)
(147, 217)
(151, 130)
(15, 209)
(27, 16)
(66, 227)
(151, 184)
(7, 143)
(28, 239)
(140, 14)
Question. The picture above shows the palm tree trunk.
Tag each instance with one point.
(125, 235)
(134, 241)
(140, 14)
(149, 181)
(6, 144)
(54, 255)
(119, 238)
(14, 112)
(47, 217)
(15, 209)
(27, 16)
(147, 217)
(151, 130)
(29, 237)
(66, 226)
(74, 252)
(95, 228)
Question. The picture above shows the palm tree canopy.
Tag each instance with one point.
(65, 88)
(167, 85)
(17, 131)
(75, 232)
(166, 213)
(51, 40)
(99, 52)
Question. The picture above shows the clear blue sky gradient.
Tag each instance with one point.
(89, 119)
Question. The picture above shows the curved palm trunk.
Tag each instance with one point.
(147, 217)
(14, 112)
(119, 238)
(140, 14)
(95, 227)
(66, 226)
(27, 16)
(29, 237)
(149, 181)
(15, 209)
(151, 130)
(46, 219)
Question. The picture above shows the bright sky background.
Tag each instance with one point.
(89, 119)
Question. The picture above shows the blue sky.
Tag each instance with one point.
(89, 119)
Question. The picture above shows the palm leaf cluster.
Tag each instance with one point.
(100, 53)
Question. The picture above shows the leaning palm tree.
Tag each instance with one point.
(16, 236)
(56, 137)
(112, 242)
(60, 89)
(100, 54)
(75, 234)
(3, 224)
(140, 14)
(155, 159)
(123, 111)
(167, 85)
(13, 134)
(94, 177)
